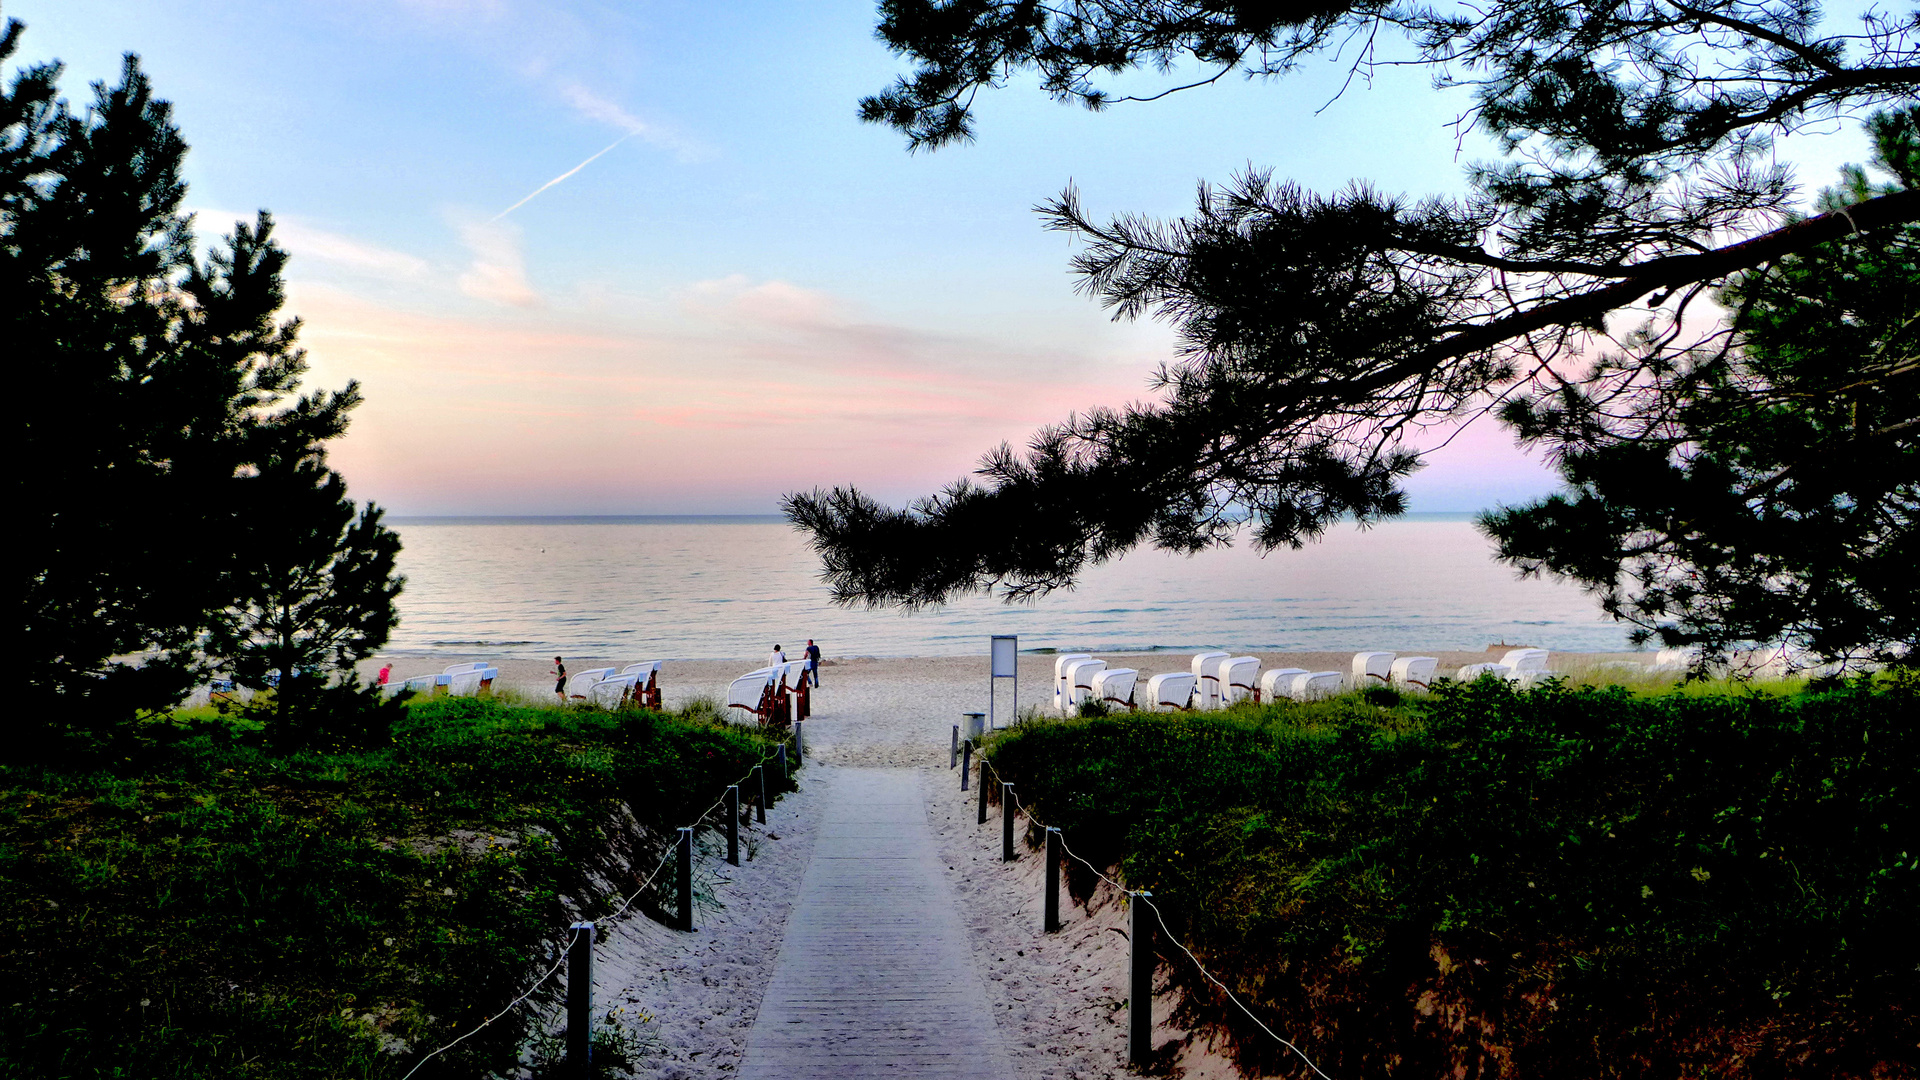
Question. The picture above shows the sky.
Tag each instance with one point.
(642, 258)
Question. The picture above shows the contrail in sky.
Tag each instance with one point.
(559, 178)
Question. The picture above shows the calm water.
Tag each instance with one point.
(730, 587)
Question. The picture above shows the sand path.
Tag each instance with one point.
(876, 976)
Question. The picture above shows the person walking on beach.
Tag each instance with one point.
(386, 672)
(776, 657)
(813, 661)
(560, 675)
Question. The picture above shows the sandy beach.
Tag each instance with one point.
(899, 712)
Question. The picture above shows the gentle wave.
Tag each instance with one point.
(731, 587)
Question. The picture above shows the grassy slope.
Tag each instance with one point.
(1491, 883)
(205, 909)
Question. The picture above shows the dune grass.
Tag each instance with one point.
(199, 907)
(1491, 882)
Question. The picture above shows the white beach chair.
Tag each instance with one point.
(424, 684)
(1239, 679)
(465, 683)
(1518, 660)
(1315, 685)
(646, 682)
(794, 684)
(1061, 686)
(1473, 671)
(1371, 669)
(751, 691)
(582, 681)
(1114, 686)
(1413, 673)
(1173, 690)
(459, 669)
(1277, 683)
(1080, 675)
(1673, 659)
(612, 692)
(1206, 679)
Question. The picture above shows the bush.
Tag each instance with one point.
(205, 909)
(1500, 882)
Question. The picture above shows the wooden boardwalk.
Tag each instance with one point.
(875, 976)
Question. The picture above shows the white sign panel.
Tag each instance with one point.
(1006, 656)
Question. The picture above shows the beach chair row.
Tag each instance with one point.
(613, 688)
(460, 680)
(1219, 679)
(773, 695)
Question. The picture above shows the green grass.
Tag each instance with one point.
(202, 908)
(1568, 881)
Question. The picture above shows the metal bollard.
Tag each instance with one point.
(733, 824)
(580, 1001)
(1050, 917)
(1006, 822)
(685, 876)
(1140, 982)
(953, 753)
(966, 764)
(983, 788)
(760, 807)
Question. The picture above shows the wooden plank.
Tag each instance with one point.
(875, 976)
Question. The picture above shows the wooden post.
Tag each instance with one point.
(953, 753)
(580, 1001)
(793, 708)
(783, 761)
(760, 809)
(983, 788)
(1050, 918)
(799, 741)
(966, 764)
(685, 876)
(733, 824)
(1006, 822)
(1140, 981)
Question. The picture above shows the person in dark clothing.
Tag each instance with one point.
(813, 661)
(560, 673)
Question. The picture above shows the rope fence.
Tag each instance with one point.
(1140, 999)
(578, 953)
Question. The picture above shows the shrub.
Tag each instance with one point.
(1501, 882)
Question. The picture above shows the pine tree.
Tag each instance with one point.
(158, 395)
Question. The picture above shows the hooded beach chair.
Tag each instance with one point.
(1173, 690)
(1062, 688)
(1206, 679)
(611, 692)
(1239, 679)
(583, 681)
(1518, 660)
(798, 687)
(465, 683)
(752, 692)
(646, 682)
(1080, 675)
(1413, 673)
(1473, 671)
(1315, 685)
(1372, 669)
(1114, 686)
(425, 684)
(1276, 683)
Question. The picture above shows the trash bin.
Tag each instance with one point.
(974, 726)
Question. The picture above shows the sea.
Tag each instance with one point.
(723, 587)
